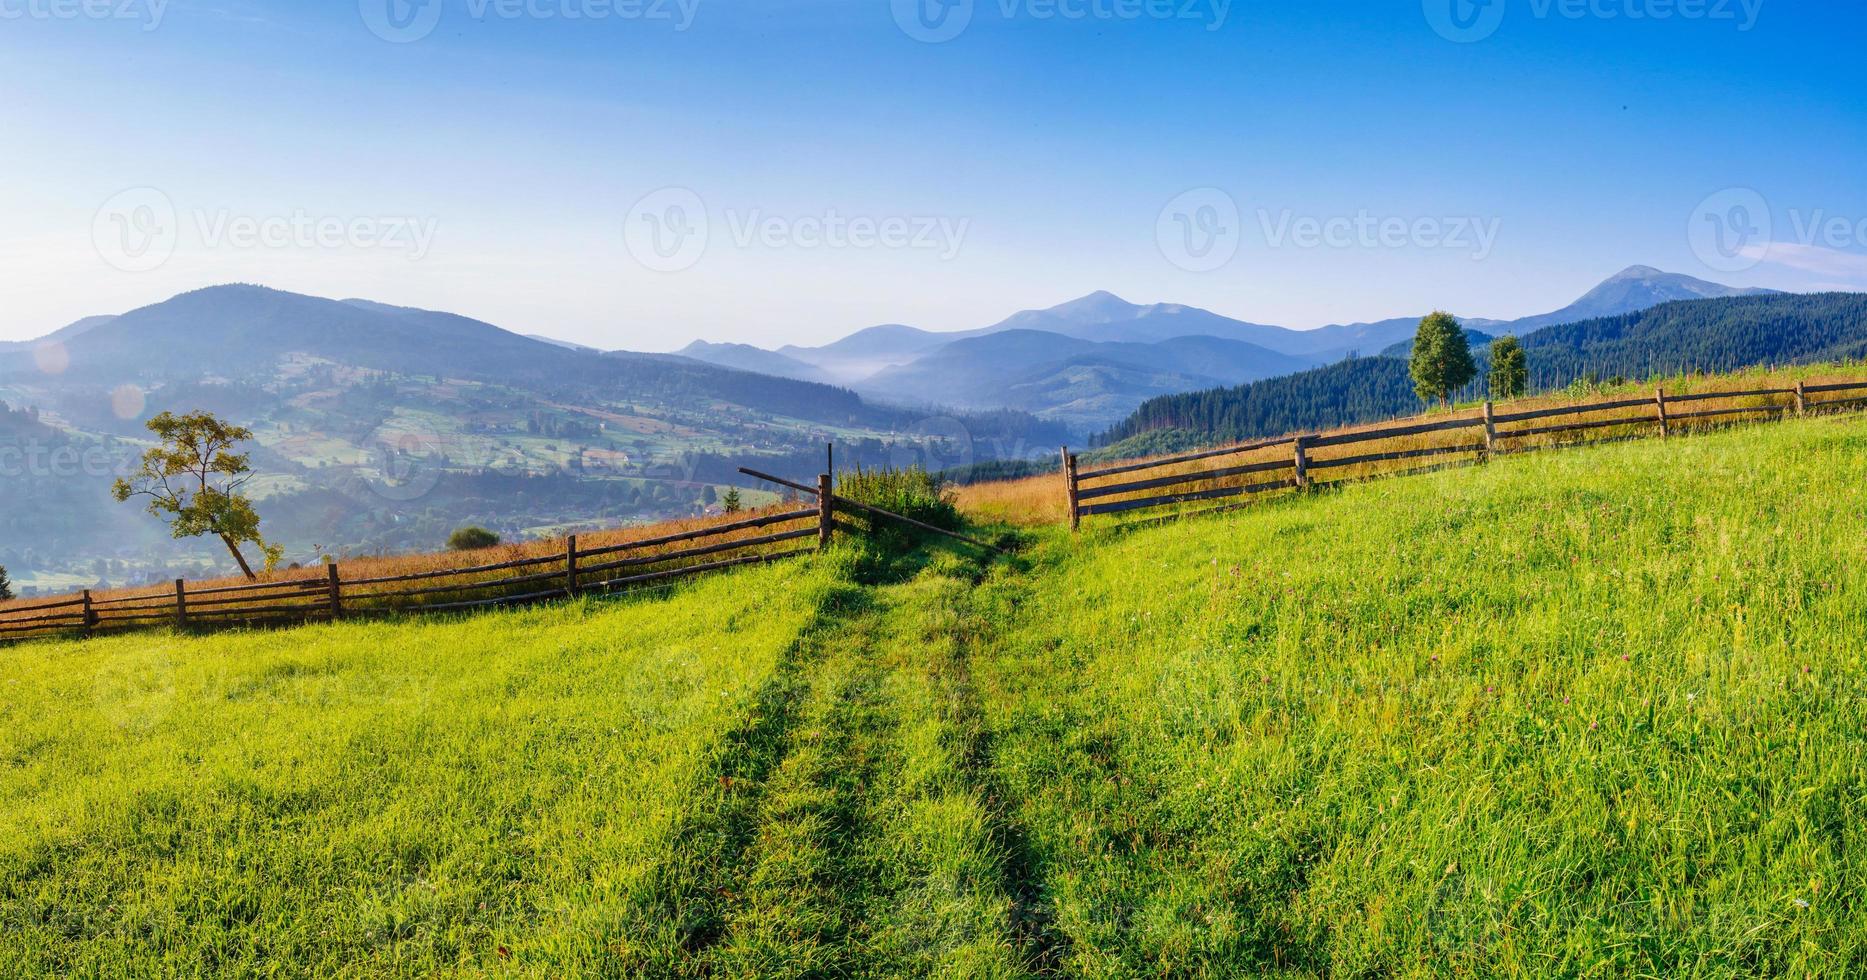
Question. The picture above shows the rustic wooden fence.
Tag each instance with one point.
(1294, 462)
(330, 595)
(571, 572)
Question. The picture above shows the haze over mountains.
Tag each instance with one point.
(1089, 362)
(381, 427)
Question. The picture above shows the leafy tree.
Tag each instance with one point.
(471, 538)
(1442, 359)
(1510, 369)
(193, 479)
(730, 502)
(6, 585)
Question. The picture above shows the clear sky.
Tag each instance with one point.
(840, 164)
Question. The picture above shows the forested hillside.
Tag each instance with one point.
(1708, 335)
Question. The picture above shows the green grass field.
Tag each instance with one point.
(1595, 712)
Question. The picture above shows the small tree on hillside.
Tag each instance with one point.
(730, 501)
(193, 480)
(1510, 369)
(6, 585)
(1442, 359)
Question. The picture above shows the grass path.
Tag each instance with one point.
(877, 851)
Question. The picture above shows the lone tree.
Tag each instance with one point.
(730, 502)
(193, 480)
(1510, 370)
(6, 585)
(1442, 359)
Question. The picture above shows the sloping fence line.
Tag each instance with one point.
(1089, 496)
(330, 596)
(563, 574)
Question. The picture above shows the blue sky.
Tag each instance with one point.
(514, 163)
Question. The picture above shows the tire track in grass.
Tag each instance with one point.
(681, 913)
(803, 884)
(880, 847)
(969, 865)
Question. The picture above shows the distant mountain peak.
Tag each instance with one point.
(1100, 306)
(1637, 272)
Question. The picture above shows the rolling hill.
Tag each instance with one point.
(1076, 381)
(745, 357)
(1706, 335)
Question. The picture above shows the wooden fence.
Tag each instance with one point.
(570, 572)
(1294, 462)
(328, 595)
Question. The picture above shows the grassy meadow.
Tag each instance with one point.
(1584, 713)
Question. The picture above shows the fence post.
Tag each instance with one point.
(1301, 455)
(1659, 398)
(90, 615)
(181, 604)
(1490, 432)
(1070, 489)
(570, 566)
(334, 589)
(1802, 400)
(826, 511)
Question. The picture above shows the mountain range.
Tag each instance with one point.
(381, 428)
(1089, 362)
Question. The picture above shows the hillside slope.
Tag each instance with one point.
(1711, 335)
(1594, 712)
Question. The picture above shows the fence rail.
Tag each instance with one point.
(573, 571)
(602, 570)
(1498, 433)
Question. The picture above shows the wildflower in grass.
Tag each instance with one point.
(1802, 903)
